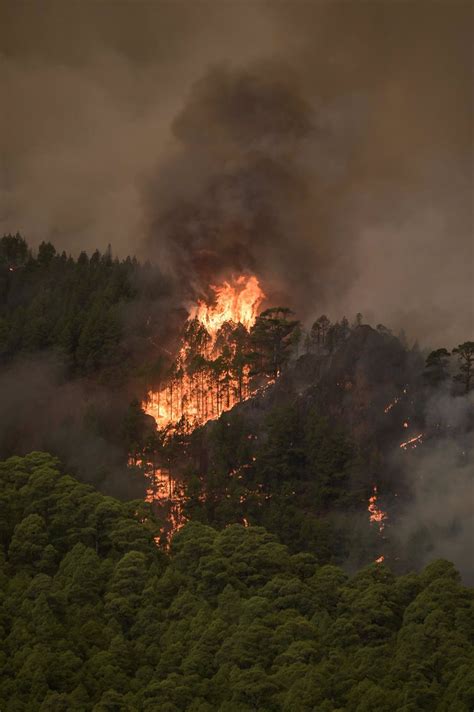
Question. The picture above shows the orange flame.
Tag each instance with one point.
(200, 396)
(412, 442)
(203, 393)
(238, 302)
(376, 515)
(164, 491)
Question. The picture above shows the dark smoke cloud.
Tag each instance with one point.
(329, 147)
(249, 200)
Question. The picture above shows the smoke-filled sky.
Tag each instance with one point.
(324, 145)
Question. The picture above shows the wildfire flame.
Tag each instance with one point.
(206, 379)
(164, 491)
(376, 515)
(238, 302)
(203, 393)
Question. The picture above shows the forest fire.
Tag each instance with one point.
(210, 373)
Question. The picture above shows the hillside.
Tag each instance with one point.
(333, 432)
(338, 430)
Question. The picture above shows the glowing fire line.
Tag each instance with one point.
(412, 442)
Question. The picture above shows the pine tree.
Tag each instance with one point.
(465, 353)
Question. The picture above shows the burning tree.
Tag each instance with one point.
(212, 370)
(227, 352)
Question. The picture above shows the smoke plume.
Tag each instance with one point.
(327, 146)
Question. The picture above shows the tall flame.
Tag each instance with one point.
(207, 378)
(238, 302)
(204, 391)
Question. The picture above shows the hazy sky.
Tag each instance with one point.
(326, 145)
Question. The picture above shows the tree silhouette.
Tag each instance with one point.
(465, 353)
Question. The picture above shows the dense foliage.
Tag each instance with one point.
(95, 617)
(102, 315)
(303, 459)
(74, 307)
(74, 342)
(304, 468)
(293, 472)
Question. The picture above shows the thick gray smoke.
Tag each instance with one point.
(248, 196)
(438, 519)
(327, 146)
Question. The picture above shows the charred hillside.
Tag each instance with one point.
(353, 384)
(329, 456)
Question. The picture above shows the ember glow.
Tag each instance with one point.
(412, 442)
(165, 492)
(393, 403)
(208, 376)
(376, 515)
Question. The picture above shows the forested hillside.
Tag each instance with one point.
(81, 309)
(74, 347)
(236, 356)
(324, 417)
(305, 457)
(95, 617)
